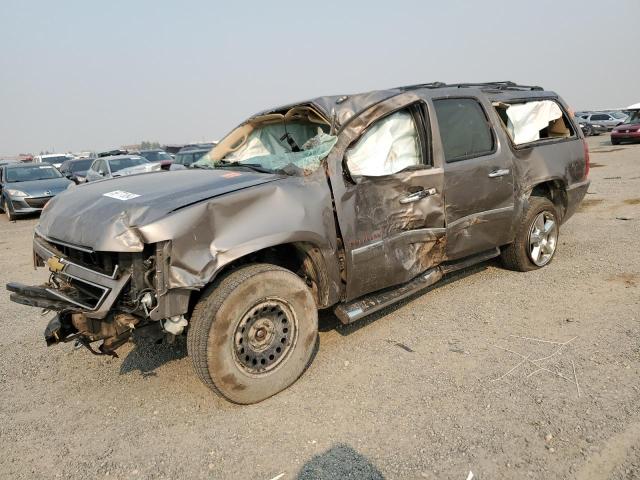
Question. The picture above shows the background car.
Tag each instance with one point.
(27, 187)
(116, 166)
(187, 157)
(158, 155)
(628, 131)
(589, 129)
(76, 170)
(608, 120)
(55, 159)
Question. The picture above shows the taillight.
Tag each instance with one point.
(586, 157)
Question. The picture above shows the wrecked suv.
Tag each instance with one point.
(350, 203)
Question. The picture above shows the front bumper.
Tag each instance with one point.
(575, 194)
(625, 135)
(86, 290)
(25, 205)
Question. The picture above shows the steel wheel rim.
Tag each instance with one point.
(265, 336)
(543, 238)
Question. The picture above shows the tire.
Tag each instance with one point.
(615, 141)
(236, 338)
(520, 254)
(7, 211)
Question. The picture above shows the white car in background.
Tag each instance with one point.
(119, 166)
(55, 159)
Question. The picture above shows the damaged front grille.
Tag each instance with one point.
(79, 292)
(80, 278)
(102, 262)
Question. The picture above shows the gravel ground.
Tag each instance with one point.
(428, 389)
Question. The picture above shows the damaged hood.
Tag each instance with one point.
(105, 215)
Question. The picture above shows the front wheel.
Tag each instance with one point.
(536, 238)
(253, 333)
(7, 211)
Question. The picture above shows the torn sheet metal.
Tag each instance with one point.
(218, 219)
(88, 216)
(386, 241)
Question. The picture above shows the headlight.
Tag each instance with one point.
(17, 193)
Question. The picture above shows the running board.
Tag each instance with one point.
(363, 306)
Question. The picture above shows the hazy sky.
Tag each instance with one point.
(94, 75)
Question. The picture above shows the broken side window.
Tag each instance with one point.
(532, 121)
(388, 146)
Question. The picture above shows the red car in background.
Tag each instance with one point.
(629, 130)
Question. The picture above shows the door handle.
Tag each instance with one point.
(419, 195)
(501, 172)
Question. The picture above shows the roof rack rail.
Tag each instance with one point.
(503, 85)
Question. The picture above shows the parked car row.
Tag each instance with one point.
(48, 175)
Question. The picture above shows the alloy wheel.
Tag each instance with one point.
(543, 238)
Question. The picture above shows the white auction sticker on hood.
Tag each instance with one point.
(120, 195)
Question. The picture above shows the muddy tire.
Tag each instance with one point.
(7, 211)
(536, 237)
(253, 333)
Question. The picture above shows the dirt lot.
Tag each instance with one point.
(434, 388)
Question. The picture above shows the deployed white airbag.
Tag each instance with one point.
(387, 147)
(266, 141)
(527, 119)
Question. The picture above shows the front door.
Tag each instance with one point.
(388, 195)
(478, 176)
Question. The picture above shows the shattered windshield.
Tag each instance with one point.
(290, 148)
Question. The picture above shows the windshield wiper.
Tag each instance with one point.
(253, 166)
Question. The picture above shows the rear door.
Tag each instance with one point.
(388, 195)
(478, 177)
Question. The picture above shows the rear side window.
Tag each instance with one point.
(534, 121)
(464, 129)
(600, 116)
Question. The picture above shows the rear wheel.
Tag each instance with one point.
(536, 239)
(253, 333)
